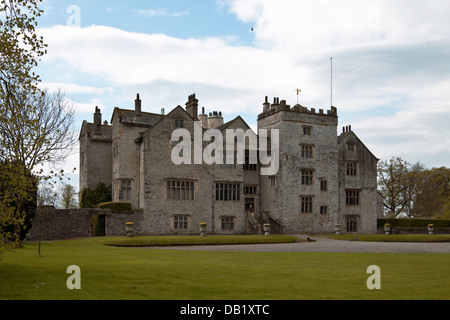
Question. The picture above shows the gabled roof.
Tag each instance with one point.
(227, 124)
(173, 110)
(88, 127)
(146, 119)
(346, 134)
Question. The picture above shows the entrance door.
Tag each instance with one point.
(352, 223)
(98, 225)
(250, 205)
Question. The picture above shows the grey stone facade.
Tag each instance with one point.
(323, 179)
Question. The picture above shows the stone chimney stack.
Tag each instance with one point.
(192, 106)
(97, 121)
(215, 120)
(203, 117)
(137, 105)
(266, 105)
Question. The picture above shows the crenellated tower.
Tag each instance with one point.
(303, 195)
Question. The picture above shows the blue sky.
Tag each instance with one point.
(391, 70)
(181, 19)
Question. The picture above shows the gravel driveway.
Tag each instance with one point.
(322, 244)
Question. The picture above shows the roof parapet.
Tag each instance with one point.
(277, 106)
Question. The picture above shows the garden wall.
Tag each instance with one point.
(59, 224)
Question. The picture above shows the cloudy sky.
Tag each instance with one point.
(390, 66)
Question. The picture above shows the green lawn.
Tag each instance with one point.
(109, 273)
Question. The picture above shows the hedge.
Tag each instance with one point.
(419, 223)
(115, 206)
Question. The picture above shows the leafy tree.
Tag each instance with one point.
(393, 183)
(414, 191)
(39, 129)
(431, 190)
(90, 198)
(46, 195)
(20, 47)
(34, 125)
(68, 195)
(17, 206)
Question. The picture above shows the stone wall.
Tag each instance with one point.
(115, 223)
(56, 224)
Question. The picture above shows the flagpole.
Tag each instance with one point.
(331, 87)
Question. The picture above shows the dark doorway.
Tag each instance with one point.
(250, 205)
(352, 223)
(98, 225)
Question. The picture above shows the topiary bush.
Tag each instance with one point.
(115, 206)
(413, 223)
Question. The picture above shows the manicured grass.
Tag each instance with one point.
(147, 241)
(119, 273)
(394, 237)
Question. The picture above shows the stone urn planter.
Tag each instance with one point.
(266, 228)
(129, 228)
(337, 229)
(430, 228)
(202, 226)
(387, 228)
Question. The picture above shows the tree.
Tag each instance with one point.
(431, 190)
(89, 198)
(17, 206)
(414, 191)
(68, 195)
(42, 135)
(35, 126)
(393, 182)
(46, 195)
(20, 47)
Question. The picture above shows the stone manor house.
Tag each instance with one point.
(323, 180)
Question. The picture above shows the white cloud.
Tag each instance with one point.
(318, 25)
(418, 135)
(72, 88)
(126, 58)
(160, 12)
(389, 66)
(112, 9)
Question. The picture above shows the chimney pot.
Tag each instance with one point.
(137, 105)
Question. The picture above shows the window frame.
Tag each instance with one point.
(307, 177)
(307, 151)
(307, 130)
(227, 223)
(352, 197)
(228, 191)
(177, 122)
(183, 219)
(351, 168)
(180, 190)
(306, 204)
(324, 185)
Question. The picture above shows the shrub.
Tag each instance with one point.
(411, 223)
(115, 206)
(89, 198)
